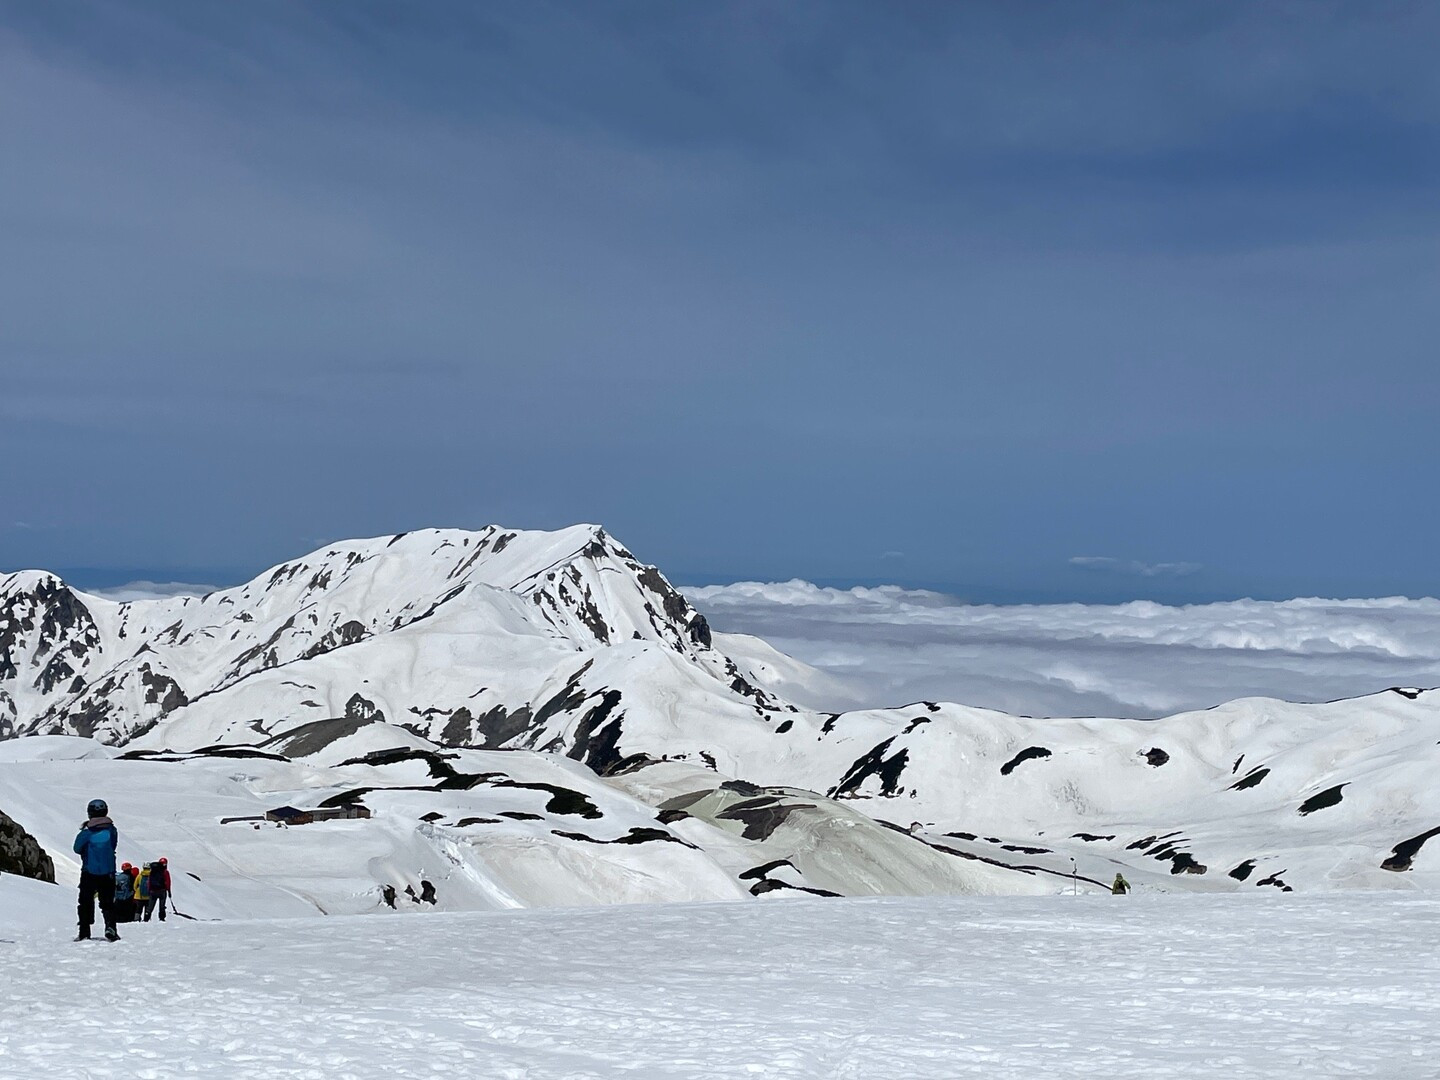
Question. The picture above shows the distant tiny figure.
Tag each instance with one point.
(95, 844)
(1121, 886)
(159, 876)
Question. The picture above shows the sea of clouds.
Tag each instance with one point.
(151, 590)
(892, 646)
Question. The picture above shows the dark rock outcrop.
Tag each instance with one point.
(1029, 753)
(21, 853)
(875, 763)
(1326, 798)
(1250, 779)
(1403, 854)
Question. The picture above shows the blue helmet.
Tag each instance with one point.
(97, 808)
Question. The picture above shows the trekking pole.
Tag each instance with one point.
(1074, 879)
(192, 918)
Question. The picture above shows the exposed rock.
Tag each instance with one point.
(874, 763)
(1403, 855)
(1183, 862)
(21, 853)
(361, 708)
(636, 835)
(1326, 798)
(1276, 881)
(595, 744)
(348, 633)
(761, 817)
(1250, 779)
(699, 631)
(1028, 754)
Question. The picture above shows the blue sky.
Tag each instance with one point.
(1023, 301)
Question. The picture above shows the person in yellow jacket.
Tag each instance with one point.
(142, 888)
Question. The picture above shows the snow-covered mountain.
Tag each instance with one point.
(443, 631)
(431, 676)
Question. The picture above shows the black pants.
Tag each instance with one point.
(150, 906)
(96, 887)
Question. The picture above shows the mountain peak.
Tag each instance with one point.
(71, 664)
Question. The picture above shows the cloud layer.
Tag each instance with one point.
(151, 590)
(767, 289)
(890, 646)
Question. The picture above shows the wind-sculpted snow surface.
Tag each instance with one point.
(355, 667)
(1242, 987)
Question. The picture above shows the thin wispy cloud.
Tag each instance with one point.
(1134, 566)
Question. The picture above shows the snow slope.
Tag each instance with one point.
(1179, 986)
(488, 830)
(565, 646)
(448, 631)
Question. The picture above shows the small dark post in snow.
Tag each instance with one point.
(1074, 878)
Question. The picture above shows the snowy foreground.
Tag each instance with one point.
(1146, 986)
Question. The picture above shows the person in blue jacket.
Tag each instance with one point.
(96, 845)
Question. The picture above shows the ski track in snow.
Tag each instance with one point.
(1145, 986)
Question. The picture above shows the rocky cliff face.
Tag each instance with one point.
(21, 854)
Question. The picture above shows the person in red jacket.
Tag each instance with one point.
(159, 888)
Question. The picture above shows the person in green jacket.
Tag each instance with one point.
(1121, 886)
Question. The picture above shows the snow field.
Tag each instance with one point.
(563, 644)
(1146, 986)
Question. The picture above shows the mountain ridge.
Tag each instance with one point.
(564, 644)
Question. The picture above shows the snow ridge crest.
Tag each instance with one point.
(76, 664)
